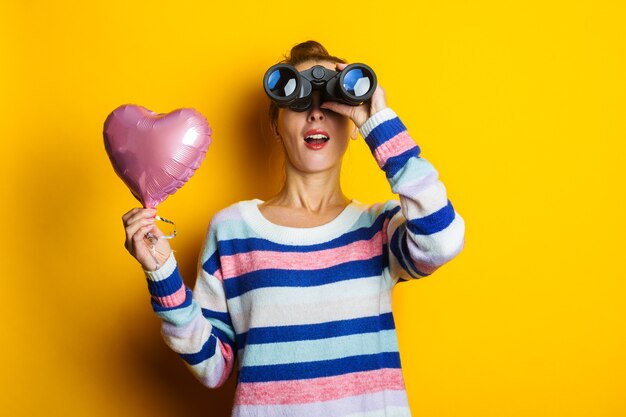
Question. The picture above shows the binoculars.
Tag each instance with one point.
(287, 87)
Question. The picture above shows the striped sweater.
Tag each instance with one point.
(307, 312)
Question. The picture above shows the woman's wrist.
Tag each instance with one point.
(163, 269)
(376, 119)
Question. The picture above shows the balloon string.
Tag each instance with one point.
(154, 239)
(171, 235)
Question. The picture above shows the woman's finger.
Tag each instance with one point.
(148, 249)
(378, 100)
(128, 214)
(132, 228)
(135, 228)
(140, 214)
(140, 239)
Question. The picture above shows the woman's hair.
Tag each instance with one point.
(303, 52)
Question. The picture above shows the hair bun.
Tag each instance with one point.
(309, 51)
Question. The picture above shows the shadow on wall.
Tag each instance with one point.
(173, 388)
(259, 175)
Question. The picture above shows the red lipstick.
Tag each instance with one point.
(316, 139)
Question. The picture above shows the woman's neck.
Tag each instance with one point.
(312, 192)
(306, 199)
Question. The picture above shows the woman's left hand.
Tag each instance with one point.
(358, 114)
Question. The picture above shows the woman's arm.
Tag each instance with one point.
(196, 324)
(424, 232)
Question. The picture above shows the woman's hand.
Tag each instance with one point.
(358, 114)
(138, 223)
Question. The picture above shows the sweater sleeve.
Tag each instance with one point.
(196, 324)
(424, 231)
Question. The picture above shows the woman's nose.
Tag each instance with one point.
(315, 112)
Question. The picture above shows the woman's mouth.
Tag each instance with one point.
(316, 140)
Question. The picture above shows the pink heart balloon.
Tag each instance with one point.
(155, 154)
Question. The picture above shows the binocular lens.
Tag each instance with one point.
(356, 82)
(282, 82)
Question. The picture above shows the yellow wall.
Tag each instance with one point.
(520, 107)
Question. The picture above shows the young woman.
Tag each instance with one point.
(298, 288)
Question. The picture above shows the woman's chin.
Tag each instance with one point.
(316, 166)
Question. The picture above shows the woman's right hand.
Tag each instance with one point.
(138, 223)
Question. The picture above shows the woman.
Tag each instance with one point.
(298, 287)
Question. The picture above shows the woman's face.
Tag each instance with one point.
(314, 140)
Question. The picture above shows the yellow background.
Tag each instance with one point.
(520, 106)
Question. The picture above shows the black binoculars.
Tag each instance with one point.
(287, 87)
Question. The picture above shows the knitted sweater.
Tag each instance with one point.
(307, 311)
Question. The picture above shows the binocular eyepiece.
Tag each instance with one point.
(287, 87)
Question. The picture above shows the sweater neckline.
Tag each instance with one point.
(299, 235)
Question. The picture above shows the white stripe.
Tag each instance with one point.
(387, 412)
(375, 120)
(321, 294)
(163, 272)
(438, 248)
(297, 235)
(211, 370)
(236, 228)
(428, 201)
(395, 404)
(188, 338)
(304, 312)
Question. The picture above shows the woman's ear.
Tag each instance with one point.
(355, 132)
(275, 130)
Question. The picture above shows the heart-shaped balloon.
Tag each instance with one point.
(155, 154)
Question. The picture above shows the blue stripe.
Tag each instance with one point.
(308, 278)
(212, 265)
(399, 247)
(397, 162)
(224, 338)
(293, 333)
(223, 318)
(393, 212)
(167, 286)
(434, 222)
(235, 246)
(319, 369)
(383, 132)
(385, 255)
(405, 249)
(217, 315)
(188, 299)
(207, 351)
(395, 247)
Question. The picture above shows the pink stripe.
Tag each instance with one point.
(218, 275)
(319, 389)
(242, 263)
(400, 143)
(173, 300)
(227, 353)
